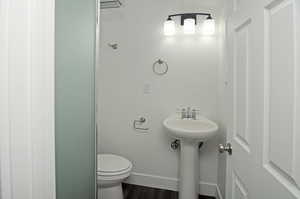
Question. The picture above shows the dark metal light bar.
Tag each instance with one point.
(190, 16)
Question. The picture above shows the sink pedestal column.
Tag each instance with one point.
(189, 178)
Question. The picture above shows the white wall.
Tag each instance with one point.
(123, 74)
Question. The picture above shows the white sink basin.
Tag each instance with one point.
(199, 130)
(190, 132)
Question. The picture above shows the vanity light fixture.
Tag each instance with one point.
(189, 26)
(169, 27)
(209, 26)
(189, 22)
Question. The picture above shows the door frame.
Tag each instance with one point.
(27, 99)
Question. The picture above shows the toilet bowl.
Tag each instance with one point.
(112, 170)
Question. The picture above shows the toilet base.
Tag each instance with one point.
(113, 192)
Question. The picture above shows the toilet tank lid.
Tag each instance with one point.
(112, 163)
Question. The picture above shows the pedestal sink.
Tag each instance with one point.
(190, 132)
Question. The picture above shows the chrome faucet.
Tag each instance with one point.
(188, 113)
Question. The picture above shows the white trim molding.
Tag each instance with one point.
(160, 182)
(27, 153)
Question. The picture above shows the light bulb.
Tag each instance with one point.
(209, 27)
(189, 26)
(169, 27)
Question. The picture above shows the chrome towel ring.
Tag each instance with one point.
(160, 67)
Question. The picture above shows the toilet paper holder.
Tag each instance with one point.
(139, 122)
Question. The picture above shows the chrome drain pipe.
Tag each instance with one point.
(176, 144)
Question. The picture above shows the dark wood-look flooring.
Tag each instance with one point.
(141, 192)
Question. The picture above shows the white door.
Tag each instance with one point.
(264, 85)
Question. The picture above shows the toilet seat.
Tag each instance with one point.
(112, 170)
(112, 165)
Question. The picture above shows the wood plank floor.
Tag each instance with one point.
(141, 192)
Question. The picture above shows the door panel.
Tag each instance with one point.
(279, 86)
(263, 44)
(240, 83)
(280, 90)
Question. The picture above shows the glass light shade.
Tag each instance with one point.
(189, 26)
(169, 28)
(209, 27)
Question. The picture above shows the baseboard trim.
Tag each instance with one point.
(160, 182)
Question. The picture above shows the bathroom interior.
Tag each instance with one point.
(150, 99)
(146, 74)
(152, 68)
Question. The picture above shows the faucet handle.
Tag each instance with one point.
(182, 112)
(195, 113)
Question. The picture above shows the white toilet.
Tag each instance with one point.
(112, 170)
